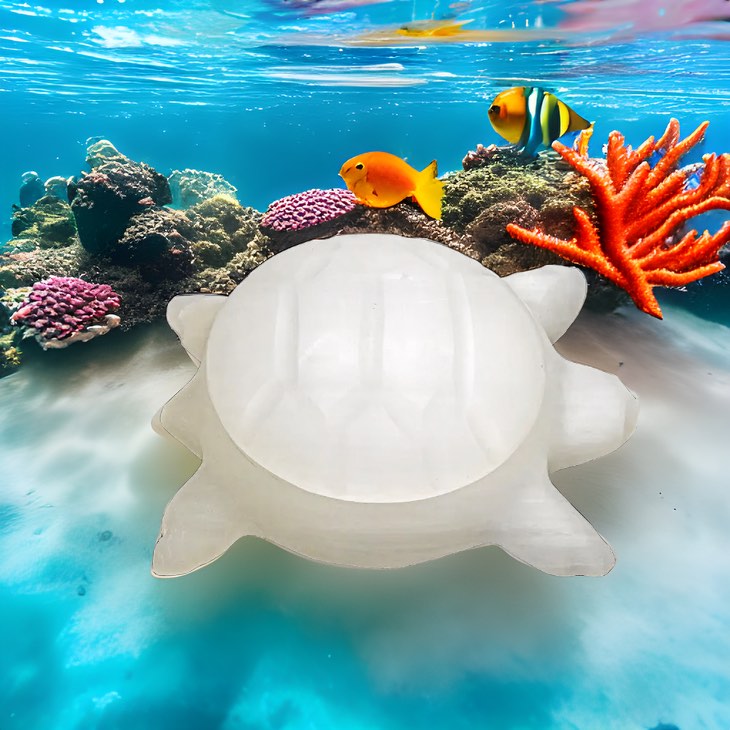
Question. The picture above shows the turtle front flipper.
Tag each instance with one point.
(553, 294)
(191, 317)
(200, 523)
(546, 532)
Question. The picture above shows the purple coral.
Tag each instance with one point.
(311, 214)
(62, 309)
(310, 208)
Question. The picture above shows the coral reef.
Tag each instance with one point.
(223, 228)
(162, 252)
(491, 153)
(48, 223)
(10, 355)
(99, 151)
(190, 187)
(23, 268)
(57, 187)
(224, 279)
(217, 244)
(31, 189)
(148, 253)
(638, 209)
(159, 241)
(311, 214)
(61, 310)
(509, 178)
(107, 198)
(505, 187)
(407, 219)
(145, 252)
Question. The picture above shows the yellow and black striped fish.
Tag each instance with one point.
(528, 116)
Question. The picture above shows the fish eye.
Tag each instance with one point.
(359, 166)
(494, 109)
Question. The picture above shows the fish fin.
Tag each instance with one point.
(429, 191)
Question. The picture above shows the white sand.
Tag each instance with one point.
(648, 643)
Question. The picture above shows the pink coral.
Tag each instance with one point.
(62, 309)
(311, 214)
(307, 209)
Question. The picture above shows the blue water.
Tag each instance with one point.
(191, 87)
(275, 100)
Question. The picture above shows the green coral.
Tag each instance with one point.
(26, 267)
(224, 228)
(190, 187)
(102, 151)
(10, 355)
(545, 181)
(224, 280)
(480, 202)
(48, 223)
(12, 298)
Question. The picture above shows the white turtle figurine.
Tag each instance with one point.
(376, 401)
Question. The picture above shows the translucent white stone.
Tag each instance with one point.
(378, 401)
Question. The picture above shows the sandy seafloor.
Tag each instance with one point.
(263, 639)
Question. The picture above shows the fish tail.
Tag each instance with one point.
(576, 122)
(429, 191)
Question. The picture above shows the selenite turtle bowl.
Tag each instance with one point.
(377, 401)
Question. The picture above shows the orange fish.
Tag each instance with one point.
(433, 29)
(380, 180)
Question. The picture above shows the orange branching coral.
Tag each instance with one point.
(638, 208)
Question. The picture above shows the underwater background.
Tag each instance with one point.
(274, 96)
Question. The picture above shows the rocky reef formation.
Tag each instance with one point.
(223, 228)
(108, 197)
(482, 200)
(127, 239)
(10, 354)
(57, 187)
(100, 151)
(224, 279)
(499, 187)
(190, 187)
(48, 223)
(407, 219)
(159, 242)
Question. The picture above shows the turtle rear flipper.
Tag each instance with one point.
(546, 532)
(200, 523)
